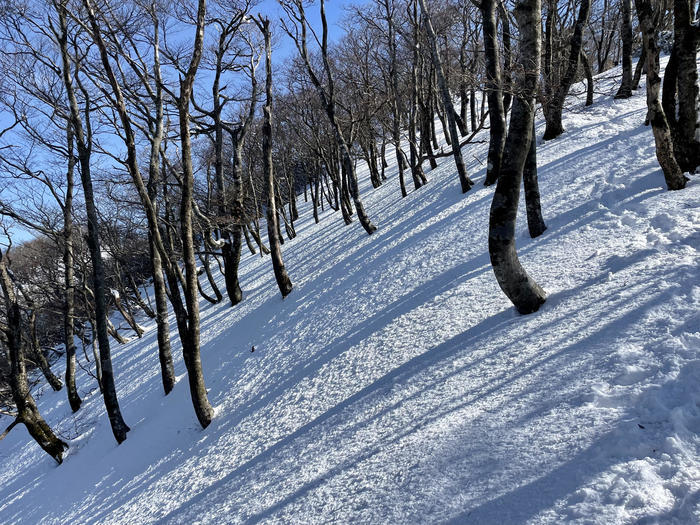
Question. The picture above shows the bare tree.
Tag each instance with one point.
(27, 411)
(556, 92)
(297, 30)
(521, 289)
(494, 90)
(465, 182)
(283, 281)
(649, 17)
(625, 90)
(83, 140)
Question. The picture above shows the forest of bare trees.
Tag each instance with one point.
(147, 146)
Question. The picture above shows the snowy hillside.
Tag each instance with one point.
(397, 384)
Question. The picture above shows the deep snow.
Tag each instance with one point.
(396, 384)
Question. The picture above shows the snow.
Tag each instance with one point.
(396, 384)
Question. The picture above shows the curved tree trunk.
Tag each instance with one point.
(521, 289)
(648, 20)
(27, 411)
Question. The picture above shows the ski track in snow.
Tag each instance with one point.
(396, 384)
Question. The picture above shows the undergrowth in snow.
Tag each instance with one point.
(396, 384)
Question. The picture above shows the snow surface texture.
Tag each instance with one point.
(396, 384)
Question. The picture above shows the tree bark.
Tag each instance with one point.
(686, 36)
(27, 411)
(553, 107)
(519, 287)
(535, 222)
(283, 281)
(648, 20)
(465, 182)
(589, 78)
(497, 131)
(119, 427)
(625, 90)
(69, 280)
(190, 346)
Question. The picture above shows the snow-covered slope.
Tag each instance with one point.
(396, 384)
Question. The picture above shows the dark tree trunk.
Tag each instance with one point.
(69, 280)
(497, 131)
(554, 106)
(283, 281)
(686, 36)
(521, 289)
(639, 69)
(535, 222)
(589, 78)
(416, 159)
(27, 411)
(38, 353)
(472, 109)
(465, 182)
(625, 90)
(507, 66)
(675, 180)
(119, 427)
(315, 196)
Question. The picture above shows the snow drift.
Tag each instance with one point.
(396, 384)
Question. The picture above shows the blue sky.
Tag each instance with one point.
(284, 47)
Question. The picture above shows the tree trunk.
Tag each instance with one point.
(465, 182)
(554, 106)
(625, 90)
(507, 66)
(27, 411)
(497, 131)
(686, 36)
(639, 69)
(43, 363)
(535, 222)
(146, 194)
(416, 160)
(119, 427)
(126, 315)
(283, 281)
(519, 287)
(68, 277)
(190, 344)
(589, 78)
(165, 356)
(675, 180)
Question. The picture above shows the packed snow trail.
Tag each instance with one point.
(396, 384)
